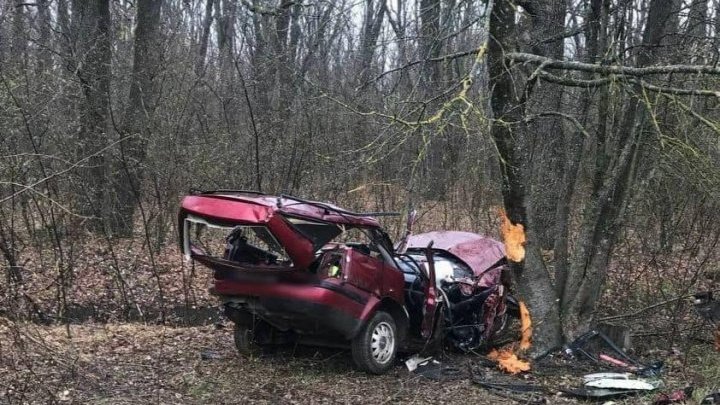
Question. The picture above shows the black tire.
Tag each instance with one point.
(244, 338)
(375, 347)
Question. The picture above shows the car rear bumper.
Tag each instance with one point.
(307, 309)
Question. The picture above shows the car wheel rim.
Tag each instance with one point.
(382, 343)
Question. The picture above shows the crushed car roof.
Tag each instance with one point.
(477, 251)
(267, 204)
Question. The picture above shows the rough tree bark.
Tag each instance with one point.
(531, 276)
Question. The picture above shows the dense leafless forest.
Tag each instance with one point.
(593, 123)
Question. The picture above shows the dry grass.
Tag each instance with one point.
(129, 364)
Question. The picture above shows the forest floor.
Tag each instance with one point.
(180, 356)
(134, 363)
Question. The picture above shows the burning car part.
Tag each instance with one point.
(506, 358)
(467, 271)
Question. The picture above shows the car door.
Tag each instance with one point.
(430, 305)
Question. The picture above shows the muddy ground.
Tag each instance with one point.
(140, 364)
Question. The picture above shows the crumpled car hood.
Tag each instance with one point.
(477, 251)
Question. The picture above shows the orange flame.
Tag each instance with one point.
(508, 361)
(514, 238)
(506, 357)
(525, 327)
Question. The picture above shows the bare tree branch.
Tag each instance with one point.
(268, 11)
(443, 58)
(575, 82)
(61, 172)
(612, 69)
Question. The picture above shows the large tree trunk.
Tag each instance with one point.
(596, 43)
(372, 22)
(612, 183)
(127, 177)
(436, 142)
(546, 144)
(204, 39)
(91, 20)
(532, 279)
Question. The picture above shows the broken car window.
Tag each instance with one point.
(247, 244)
(319, 233)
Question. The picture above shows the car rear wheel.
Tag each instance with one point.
(375, 347)
(245, 341)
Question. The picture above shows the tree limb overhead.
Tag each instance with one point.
(611, 69)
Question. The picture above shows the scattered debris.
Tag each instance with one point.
(577, 348)
(612, 385)
(598, 393)
(599, 376)
(674, 397)
(709, 309)
(517, 391)
(624, 384)
(414, 361)
(64, 396)
(711, 399)
(434, 370)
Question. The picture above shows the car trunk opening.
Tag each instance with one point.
(252, 245)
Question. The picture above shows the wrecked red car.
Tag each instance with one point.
(293, 270)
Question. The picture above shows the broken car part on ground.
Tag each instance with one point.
(293, 270)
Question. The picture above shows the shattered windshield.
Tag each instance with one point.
(247, 244)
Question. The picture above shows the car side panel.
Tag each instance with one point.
(363, 271)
